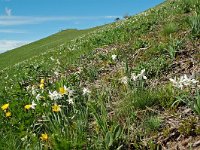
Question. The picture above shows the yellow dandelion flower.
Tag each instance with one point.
(5, 106)
(8, 114)
(63, 90)
(44, 137)
(41, 86)
(27, 107)
(56, 108)
(42, 81)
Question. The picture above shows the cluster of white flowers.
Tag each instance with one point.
(183, 81)
(134, 77)
(59, 95)
(139, 76)
(55, 95)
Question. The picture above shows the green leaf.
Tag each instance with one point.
(117, 132)
(198, 101)
(109, 139)
(197, 108)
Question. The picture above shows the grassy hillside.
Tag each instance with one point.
(133, 84)
(52, 42)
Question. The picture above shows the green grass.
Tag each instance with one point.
(169, 29)
(55, 41)
(195, 26)
(152, 123)
(122, 108)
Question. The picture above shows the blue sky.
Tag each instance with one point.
(24, 21)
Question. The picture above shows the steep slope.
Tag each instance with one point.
(133, 84)
(17, 55)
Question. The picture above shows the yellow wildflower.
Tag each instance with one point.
(5, 106)
(42, 81)
(44, 137)
(56, 108)
(27, 107)
(41, 86)
(8, 114)
(63, 90)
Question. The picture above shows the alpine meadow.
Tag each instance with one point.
(133, 84)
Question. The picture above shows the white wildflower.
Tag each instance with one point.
(183, 81)
(33, 105)
(70, 101)
(55, 95)
(70, 92)
(28, 88)
(63, 90)
(86, 91)
(124, 80)
(133, 76)
(34, 90)
(140, 76)
(114, 57)
(38, 97)
(193, 81)
(24, 138)
(176, 83)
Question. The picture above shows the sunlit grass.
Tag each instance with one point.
(104, 90)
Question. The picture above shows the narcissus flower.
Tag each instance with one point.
(8, 114)
(86, 91)
(30, 106)
(42, 81)
(55, 95)
(38, 97)
(142, 75)
(41, 86)
(183, 81)
(33, 105)
(5, 106)
(63, 90)
(70, 101)
(56, 108)
(114, 57)
(27, 107)
(139, 76)
(44, 137)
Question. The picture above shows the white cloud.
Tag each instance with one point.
(11, 44)
(20, 20)
(11, 31)
(8, 11)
